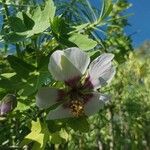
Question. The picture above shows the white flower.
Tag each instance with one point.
(81, 96)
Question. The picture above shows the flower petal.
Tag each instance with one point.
(59, 113)
(78, 58)
(95, 103)
(105, 78)
(104, 98)
(101, 70)
(8, 103)
(68, 64)
(5, 108)
(47, 97)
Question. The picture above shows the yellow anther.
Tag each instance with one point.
(77, 108)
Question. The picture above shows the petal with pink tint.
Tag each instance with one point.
(47, 97)
(96, 102)
(100, 71)
(59, 113)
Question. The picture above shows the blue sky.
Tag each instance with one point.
(140, 21)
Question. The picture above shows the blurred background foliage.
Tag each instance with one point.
(30, 32)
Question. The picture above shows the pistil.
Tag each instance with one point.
(77, 108)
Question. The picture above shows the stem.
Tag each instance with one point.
(111, 133)
(81, 141)
(100, 146)
(36, 49)
(18, 50)
(6, 9)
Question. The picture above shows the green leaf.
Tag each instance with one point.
(20, 67)
(13, 83)
(37, 78)
(107, 7)
(42, 18)
(94, 54)
(57, 25)
(14, 37)
(6, 83)
(60, 27)
(41, 22)
(34, 82)
(21, 23)
(39, 134)
(53, 126)
(8, 75)
(29, 23)
(81, 27)
(22, 107)
(60, 31)
(91, 11)
(59, 137)
(50, 9)
(17, 24)
(26, 25)
(28, 78)
(82, 41)
(79, 124)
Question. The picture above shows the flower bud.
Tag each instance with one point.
(7, 104)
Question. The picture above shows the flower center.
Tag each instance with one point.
(77, 108)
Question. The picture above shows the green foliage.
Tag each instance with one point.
(29, 24)
(39, 134)
(34, 30)
(17, 63)
(107, 7)
(79, 124)
(82, 41)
